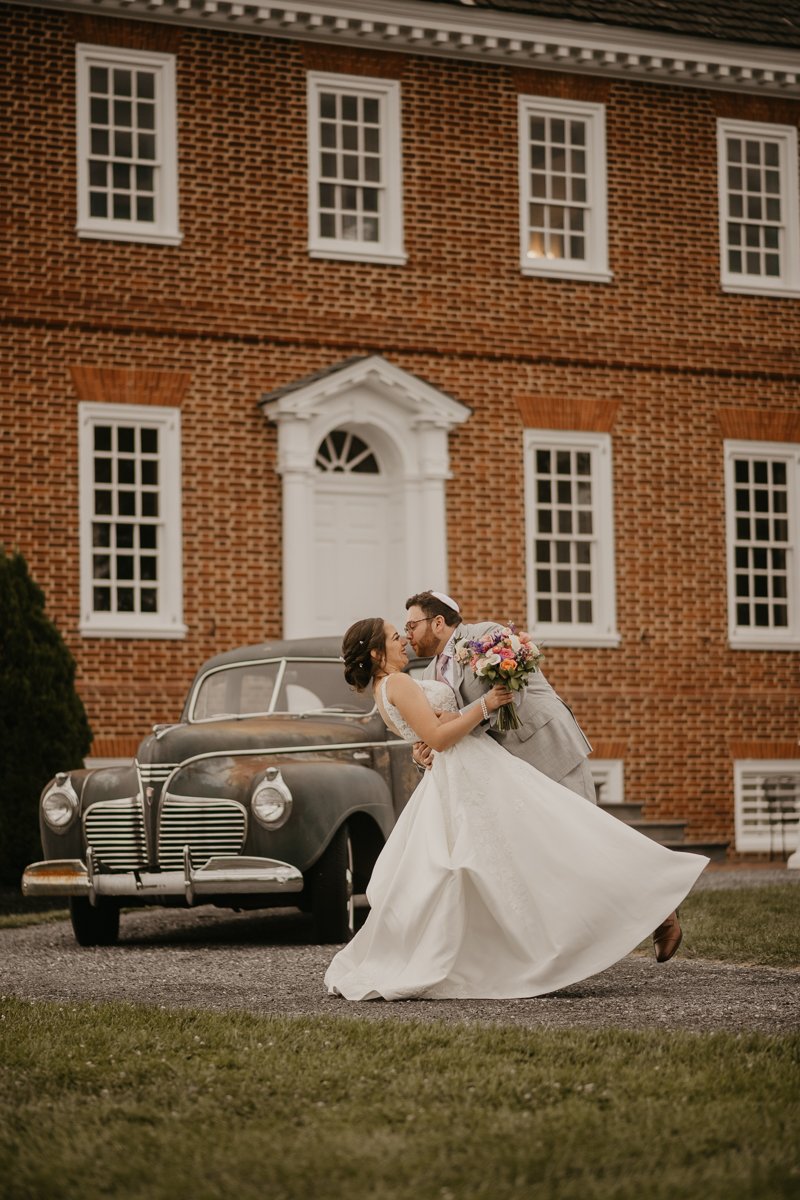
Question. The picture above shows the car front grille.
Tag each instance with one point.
(155, 773)
(208, 827)
(115, 831)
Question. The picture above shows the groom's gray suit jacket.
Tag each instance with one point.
(550, 738)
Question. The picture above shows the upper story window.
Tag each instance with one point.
(569, 519)
(130, 521)
(562, 186)
(127, 146)
(762, 484)
(758, 208)
(355, 200)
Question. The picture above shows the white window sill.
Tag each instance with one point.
(160, 632)
(392, 260)
(751, 643)
(123, 235)
(744, 289)
(750, 843)
(563, 637)
(552, 273)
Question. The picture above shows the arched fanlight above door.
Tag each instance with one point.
(345, 453)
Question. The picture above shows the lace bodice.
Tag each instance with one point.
(438, 694)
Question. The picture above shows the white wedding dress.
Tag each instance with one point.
(498, 882)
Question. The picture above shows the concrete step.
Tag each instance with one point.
(713, 850)
(661, 831)
(624, 811)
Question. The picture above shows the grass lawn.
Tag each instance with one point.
(21, 920)
(162, 1105)
(758, 925)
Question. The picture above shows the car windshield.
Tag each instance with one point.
(249, 690)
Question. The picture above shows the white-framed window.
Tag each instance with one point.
(355, 176)
(759, 215)
(130, 521)
(767, 804)
(569, 522)
(127, 143)
(609, 779)
(563, 204)
(762, 502)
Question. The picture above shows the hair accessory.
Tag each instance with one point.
(448, 600)
(484, 709)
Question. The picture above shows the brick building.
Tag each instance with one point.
(305, 308)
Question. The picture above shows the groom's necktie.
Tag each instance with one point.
(442, 663)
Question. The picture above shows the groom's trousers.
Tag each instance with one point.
(579, 780)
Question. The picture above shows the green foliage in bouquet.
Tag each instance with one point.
(43, 724)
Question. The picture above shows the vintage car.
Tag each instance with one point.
(279, 786)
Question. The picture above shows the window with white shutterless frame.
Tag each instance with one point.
(569, 522)
(127, 145)
(130, 521)
(767, 805)
(759, 212)
(608, 776)
(762, 503)
(563, 200)
(355, 178)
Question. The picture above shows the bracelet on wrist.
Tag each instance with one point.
(484, 709)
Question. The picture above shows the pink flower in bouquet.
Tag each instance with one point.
(508, 654)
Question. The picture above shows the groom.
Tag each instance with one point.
(550, 738)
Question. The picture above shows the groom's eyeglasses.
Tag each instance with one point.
(411, 626)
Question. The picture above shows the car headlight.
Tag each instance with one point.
(272, 800)
(60, 804)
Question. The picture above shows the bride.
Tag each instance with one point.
(496, 881)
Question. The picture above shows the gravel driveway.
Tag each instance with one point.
(265, 962)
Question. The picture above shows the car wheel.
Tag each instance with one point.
(94, 926)
(332, 891)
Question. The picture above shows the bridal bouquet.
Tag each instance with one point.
(503, 656)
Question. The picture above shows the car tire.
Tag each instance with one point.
(94, 926)
(332, 891)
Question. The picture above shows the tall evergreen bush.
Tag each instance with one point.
(43, 724)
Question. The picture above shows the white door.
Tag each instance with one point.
(351, 556)
(357, 537)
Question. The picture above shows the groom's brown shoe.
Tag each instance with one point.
(667, 938)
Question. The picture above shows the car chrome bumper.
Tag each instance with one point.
(219, 876)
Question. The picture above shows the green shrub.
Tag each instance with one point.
(43, 724)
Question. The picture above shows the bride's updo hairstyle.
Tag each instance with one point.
(359, 642)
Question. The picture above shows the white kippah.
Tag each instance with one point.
(448, 600)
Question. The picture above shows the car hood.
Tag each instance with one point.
(181, 742)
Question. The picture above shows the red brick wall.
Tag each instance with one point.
(242, 308)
